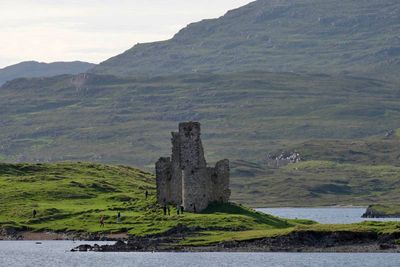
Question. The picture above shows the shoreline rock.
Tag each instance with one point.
(299, 241)
(11, 233)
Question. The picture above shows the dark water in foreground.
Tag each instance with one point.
(328, 215)
(55, 253)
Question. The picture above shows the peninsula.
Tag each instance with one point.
(382, 211)
(91, 201)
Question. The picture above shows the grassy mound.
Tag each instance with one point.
(71, 197)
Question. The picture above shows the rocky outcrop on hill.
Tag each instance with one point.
(283, 159)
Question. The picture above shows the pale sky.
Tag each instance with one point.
(94, 30)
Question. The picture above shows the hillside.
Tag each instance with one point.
(69, 196)
(332, 172)
(316, 77)
(313, 36)
(328, 119)
(30, 69)
(244, 115)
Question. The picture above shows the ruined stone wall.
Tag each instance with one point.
(163, 179)
(219, 182)
(193, 164)
(176, 171)
(223, 176)
(212, 184)
(192, 155)
(184, 179)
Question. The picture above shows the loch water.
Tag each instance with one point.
(56, 253)
(326, 215)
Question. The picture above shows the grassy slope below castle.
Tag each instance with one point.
(71, 197)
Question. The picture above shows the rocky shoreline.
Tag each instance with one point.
(296, 241)
(10, 233)
(299, 241)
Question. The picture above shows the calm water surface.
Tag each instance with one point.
(56, 253)
(324, 215)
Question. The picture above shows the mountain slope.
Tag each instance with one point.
(244, 115)
(29, 69)
(331, 172)
(351, 36)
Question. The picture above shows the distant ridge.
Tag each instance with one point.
(32, 69)
(360, 37)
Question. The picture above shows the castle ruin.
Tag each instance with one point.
(184, 178)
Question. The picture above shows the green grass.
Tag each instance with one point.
(397, 133)
(211, 237)
(319, 183)
(71, 197)
(332, 172)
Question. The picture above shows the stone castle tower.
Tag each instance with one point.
(184, 178)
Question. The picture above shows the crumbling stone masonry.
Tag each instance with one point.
(184, 178)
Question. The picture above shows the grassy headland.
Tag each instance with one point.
(70, 198)
(383, 211)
